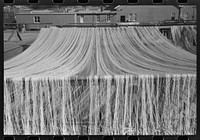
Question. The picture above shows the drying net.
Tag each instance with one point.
(185, 37)
(99, 81)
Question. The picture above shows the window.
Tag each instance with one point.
(36, 19)
(81, 18)
(130, 17)
(108, 18)
(98, 18)
(122, 19)
(134, 17)
(186, 15)
(173, 16)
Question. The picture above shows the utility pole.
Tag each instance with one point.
(193, 12)
(93, 19)
(179, 11)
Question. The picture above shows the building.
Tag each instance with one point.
(37, 19)
(153, 14)
(97, 15)
(10, 11)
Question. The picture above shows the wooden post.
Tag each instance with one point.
(75, 18)
(179, 13)
(19, 36)
(13, 33)
(93, 19)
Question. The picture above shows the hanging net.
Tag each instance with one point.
(101, 81)
(185, 37)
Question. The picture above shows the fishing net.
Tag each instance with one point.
(185, 37)
(100, 81)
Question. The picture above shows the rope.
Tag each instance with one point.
(80, 81)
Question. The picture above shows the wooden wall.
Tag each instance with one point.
(152, 13)
(145, 14)
(55, 19)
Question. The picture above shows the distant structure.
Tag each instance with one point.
(9, 15)
(11, 11)
(36, 19)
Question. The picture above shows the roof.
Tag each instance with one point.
(47, 13)
(96, 12)
(41, 11)
(71, 13)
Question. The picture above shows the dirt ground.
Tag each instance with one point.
(14, 46)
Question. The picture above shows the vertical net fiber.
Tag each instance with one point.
(134, 105)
